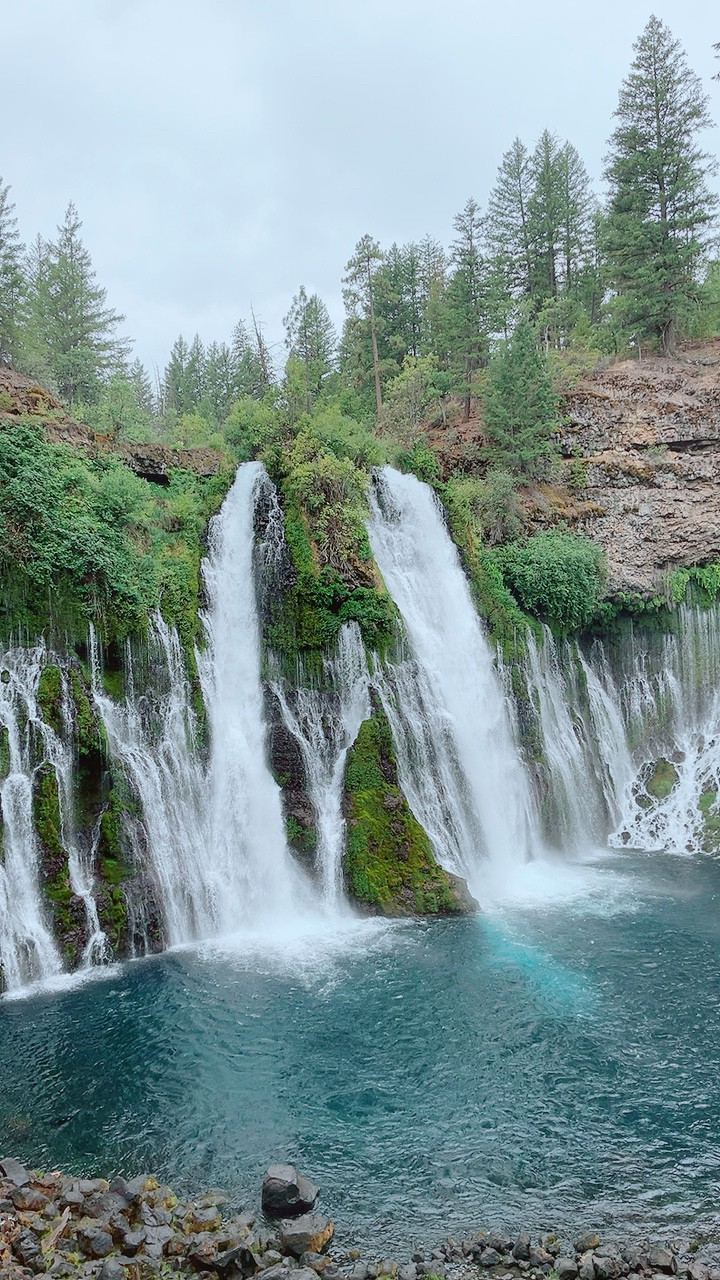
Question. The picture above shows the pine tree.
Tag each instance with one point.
(545, 217)
(310, 338)
(12, 284)
(465, 309)
(74, 328)
(520, 406)
(359, 295)
(507, 233)
(660, 209)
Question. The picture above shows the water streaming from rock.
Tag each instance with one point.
(457, 759)
(324, 718)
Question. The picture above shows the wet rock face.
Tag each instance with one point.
(647, 437)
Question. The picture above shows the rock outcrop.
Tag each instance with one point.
(641, 444)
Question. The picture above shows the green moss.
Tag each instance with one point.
(112, 869)
(66, 912)
(710, 821)
(86, 725)
(661, 779)
(388, 863)
(307, 617)
(4, 754)
(50, 696)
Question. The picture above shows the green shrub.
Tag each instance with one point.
(558, 577)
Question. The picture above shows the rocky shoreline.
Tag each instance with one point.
(138, 1229)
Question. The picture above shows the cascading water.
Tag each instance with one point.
(604, 726)
(252, 870)
(457, 760)
(324, 720)
(27, 949)
(212, 836)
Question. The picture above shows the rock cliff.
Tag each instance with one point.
(641, 444)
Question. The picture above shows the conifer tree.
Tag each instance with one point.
(310, 338)
(507, 231)
(359, 294)
(11, 279)
(465, 304)
(80, 329)
(660, 209)
(520, 406)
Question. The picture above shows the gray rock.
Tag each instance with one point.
(589, 1241)
(287, 1193)
(698, 1270)
(662, 1260)
(586, 1267)
(111, 1269)
(387, 1267)
(608, 1266)
(94, 1241)
(283, 1272)
(407, 1272)
(501, 1241)
(131, 1242)
(14, 1172)
(26, 1248)
(566, 1268)
(521, 1248)
(539, 1257)
(488, 1258)
(358, 1271)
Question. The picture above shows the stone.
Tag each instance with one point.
(287, 1193)
(28, 1199)
(521, 1247)
(566, 1268)
(608, 1266)
(500, 1241)
(662, 1260)
(539, 1257)
(698, 1270)
(310, 1233)
(358, 1271)
(111, 1269)
(26, 1248)
(73, 1199)
(586, 1266)
(317, 1262)
(387, 1267)
(488, 1258)
(132, 1241)
(94, 1241)
(14, 1172)
(204, 1219)
(590, 1240)
(407, 1272)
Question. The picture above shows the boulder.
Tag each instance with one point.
(590, 1240)
(566, 1268)
(309, 1234)
(94, 1242)
(28, 1199)
(287, 1193)
(521, 1248)
(14, 1172)
(662, 1260)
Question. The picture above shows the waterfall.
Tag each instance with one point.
(246, 853)
(28, 951)
(604, 723)
(457, 760)
(671, 707)
(324, 718)
(211, 834)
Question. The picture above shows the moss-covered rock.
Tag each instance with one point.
(4, 754)
(50, 696)
(66, 909)
(388, 863)
(710, 821)
(661, 779)
(112, 872)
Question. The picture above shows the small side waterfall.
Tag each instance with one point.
(324, 720)
(607, 727)
(457, 759)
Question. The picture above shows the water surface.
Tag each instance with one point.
(552, 1062)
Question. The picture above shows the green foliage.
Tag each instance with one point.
(520, 407)
(83, 538)
(4, 756)
(660, 779)
(699, 583)
(557, 576)
(489, 506)
(388, 862)
(65, 909)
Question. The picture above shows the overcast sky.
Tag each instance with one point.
(223, 152)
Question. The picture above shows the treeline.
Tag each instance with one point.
(545, 268)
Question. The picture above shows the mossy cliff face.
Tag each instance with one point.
(388, 863)
(66, 910)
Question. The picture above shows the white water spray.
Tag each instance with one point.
(457, 760)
